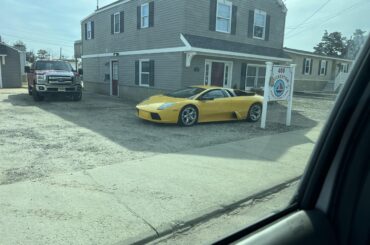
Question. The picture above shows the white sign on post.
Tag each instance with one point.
(279, 86)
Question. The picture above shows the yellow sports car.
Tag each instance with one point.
(199, 104)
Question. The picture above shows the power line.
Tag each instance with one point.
(339, 13)
(56, 39)
(310, 17)
(38, 41)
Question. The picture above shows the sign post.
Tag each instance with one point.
(265, 97)
(279, 86)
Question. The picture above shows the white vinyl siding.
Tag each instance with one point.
(223, 16)
(145, 15)
(259, 27)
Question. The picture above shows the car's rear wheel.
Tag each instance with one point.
(188, 116)
(255, 112)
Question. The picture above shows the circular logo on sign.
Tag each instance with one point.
(279, 88)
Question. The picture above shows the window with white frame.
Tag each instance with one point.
(259, 26)
(255, 76)
(307, 66)
(117, 22)
(144, 73)
(223, 16)
(89, 30)
(323, 67)
(145, 15)
(344, 68)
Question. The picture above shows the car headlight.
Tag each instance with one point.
(165, 106)
(41, 78)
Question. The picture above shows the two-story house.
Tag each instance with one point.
(318, 73)
(136, 48)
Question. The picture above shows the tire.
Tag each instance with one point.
(29, 90)
(37, 96)
(77, 96)
(254, 113)
(188, 116)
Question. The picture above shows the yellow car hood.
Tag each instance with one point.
(156, 101)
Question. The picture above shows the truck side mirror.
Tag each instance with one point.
(80, 71)
(27, 69)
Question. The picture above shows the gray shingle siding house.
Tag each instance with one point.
(11, 66)
(136, 48)
(318, 72)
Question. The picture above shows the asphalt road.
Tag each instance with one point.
(92, 169)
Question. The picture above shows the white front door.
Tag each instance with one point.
(218, 73)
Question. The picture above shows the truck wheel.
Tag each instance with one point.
(77, 96)
(29, 90)
(37, 96)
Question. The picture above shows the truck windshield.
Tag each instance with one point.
(53, 65)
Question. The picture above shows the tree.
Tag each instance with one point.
(21, 46)
(30, 56)
(42, 54)
(354, 44)
(333, 44)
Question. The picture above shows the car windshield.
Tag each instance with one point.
(186, 93)
(53, 65)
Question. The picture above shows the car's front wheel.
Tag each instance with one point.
(77, 96)
(37, 96)
(188, 116)
(255, 112)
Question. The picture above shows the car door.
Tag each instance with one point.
(332, 202)
(213, 106)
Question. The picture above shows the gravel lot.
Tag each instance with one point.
(59, 135)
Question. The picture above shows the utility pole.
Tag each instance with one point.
(60, 54)
(97, 4)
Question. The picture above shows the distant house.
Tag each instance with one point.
(318, 72)
(12, 62)
(136, 48)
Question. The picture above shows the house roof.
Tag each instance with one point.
(4, 46)
(235, 47)
(304, 52)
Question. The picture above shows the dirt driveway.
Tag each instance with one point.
(59, 135)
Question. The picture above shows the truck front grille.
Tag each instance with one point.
(60, 79)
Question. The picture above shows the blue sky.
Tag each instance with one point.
(51, 24)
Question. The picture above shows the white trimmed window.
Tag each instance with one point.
(89, 30)
(344, 68)
(145, 15)
(144, 68)
(117, 22)
(323, 67)
(307, 66)
(259, 26)
(255, 77)
(223, 16)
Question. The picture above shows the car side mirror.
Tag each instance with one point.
(80, 71)
(27, 69)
